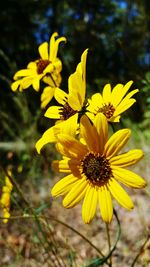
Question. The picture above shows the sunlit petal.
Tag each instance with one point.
(120, 194)
(89, 204)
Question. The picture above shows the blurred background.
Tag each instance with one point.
(117, 33)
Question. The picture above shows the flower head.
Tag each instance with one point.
(71, 104)
(5, 198)
(46, 68)
(95, 170)
(112, 103)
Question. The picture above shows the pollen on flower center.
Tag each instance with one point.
(41, 65)
(66, 112)
(96, 168)
(108, 110)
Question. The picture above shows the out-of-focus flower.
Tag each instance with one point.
(95, 170)
(112, 103)
(47, 68)
(5, 198)
(71, 105)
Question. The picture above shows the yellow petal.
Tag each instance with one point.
(54, 46)
(76, 194)
(77, 84)
(120, 194)
(67, 165)
(116, 142)
(119, 92)
(24, 73)
(60, 96)
(107, 93)
(47, 96)
(89, 204)
(72, 147)
(128, 178)
(64, 185)
(43, 50)
(101, 125)
(127, 159)
(105, 202)
(27, 82)
(48, 137)
(36, 84)
(89, 134)
(15, 85)
(70, 125)
(123, 106)
(96, 102)
(53, 112)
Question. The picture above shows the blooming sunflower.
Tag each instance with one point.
(94, 169)
(72, 104)
(5, 198)
(46, 68)
(112, 103)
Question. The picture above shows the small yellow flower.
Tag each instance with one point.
(46, 68)
(95, 170)
(112, 103)
(5, 198)
(71, 104)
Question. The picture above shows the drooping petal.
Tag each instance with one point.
(53, 112)
(43, 50)
(105, 202)
(36, 83)
(15, 85)
(24, 73)
(116, 142)
(27, 81)
(47, 95)
(126, 159)
(89, 134)
(107, 93)
(76, 194)
(120, 194)
(72, 147)
(48, 137)
(89, 204)
(67, 165)
(64, 185)
(60, 96)
(128, 178)
(101, 125)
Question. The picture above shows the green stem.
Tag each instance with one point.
(109, 243)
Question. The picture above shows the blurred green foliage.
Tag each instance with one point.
(117, 34)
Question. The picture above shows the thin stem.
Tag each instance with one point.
(140, 251)
(109, 243)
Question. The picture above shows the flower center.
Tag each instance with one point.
(41, 65)
(66, 112)
(108, 110)
(96, 168)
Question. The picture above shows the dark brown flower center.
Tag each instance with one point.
(66, 112)
(96, 168)
(41, 65)
(108, 110)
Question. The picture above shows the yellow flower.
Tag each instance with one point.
(94, 169)
(5, 198)
(72, 104)
(46, 68)
(112, 103)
